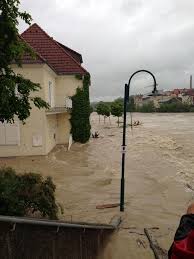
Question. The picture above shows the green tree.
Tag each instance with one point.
(174, 107)
(117, 110)
(26, 194)
(15, 91)
(131, 104)
(99, 109)
(80, 115)
(147, 107)
(106, 111)
(103, 109)
(119, 101)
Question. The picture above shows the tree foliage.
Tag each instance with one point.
(116, 109)
(80, 116)
(99, 108)
(26, 194)
(131, 104)
(174, 107)
(15, 91)
(103, 109)
(147, 107)
(165, 107)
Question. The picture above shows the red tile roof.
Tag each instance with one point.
(77, 56)
(51, 52)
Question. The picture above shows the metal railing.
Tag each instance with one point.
(61, 109)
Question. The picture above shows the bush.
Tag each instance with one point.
(26, 194)
(80, 116)
(148, 107)
(103, 109)
(174, 107)
(191, 109)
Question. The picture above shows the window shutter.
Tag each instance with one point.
(2, 133)
(12, 136)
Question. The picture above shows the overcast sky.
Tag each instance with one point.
(116, 38)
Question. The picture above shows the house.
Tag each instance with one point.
(54, 68)
(170, 100)
(138, 100)
(187, 97)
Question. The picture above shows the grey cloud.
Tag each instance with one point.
(118, 37)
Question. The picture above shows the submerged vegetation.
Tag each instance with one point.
(26, 194)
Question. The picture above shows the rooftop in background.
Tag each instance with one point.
(186, 91)
(60, 58)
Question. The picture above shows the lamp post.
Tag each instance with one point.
(126, 100)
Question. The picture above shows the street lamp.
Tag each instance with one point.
(126, 99)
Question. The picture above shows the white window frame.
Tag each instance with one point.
(50, 94)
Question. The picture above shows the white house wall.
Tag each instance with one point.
(66, 86)
(41, 132)
(34, 126)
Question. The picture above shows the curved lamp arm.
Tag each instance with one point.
(146, 71)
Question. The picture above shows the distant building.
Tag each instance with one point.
(184, 95)
(169, 100)
(138, 100)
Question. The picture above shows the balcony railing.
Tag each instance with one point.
(68, 103)
(61, 109)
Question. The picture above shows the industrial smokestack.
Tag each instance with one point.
(191, 82)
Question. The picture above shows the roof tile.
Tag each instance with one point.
(56, 56)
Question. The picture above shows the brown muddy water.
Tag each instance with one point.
(159, 177)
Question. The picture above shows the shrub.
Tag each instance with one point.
(26, 194)
(174, 107)
(103, 109)
(117, 109)
(147, 107)
(80, 116)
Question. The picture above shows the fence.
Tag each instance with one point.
(26, 240)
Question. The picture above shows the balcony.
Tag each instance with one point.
(61, 109)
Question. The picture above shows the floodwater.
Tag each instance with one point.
(159, 175)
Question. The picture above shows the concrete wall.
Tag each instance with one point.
(63, 128)
(51, 132)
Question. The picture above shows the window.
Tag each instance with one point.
(50, 94)
(9, 133)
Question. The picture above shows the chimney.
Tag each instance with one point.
(191, 81)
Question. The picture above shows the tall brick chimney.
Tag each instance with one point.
(191, 81)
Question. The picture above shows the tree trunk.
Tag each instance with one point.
(104, 119)
(109, 120)
(99, 118)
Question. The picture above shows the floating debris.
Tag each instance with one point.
(107, 206)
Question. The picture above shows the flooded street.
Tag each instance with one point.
(159, 172)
